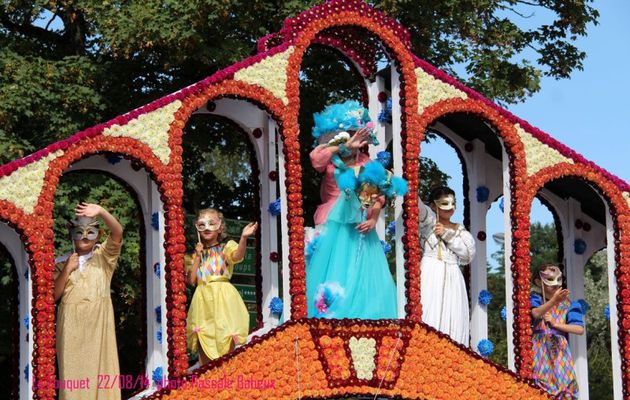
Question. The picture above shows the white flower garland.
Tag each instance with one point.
(537, 154)
(150, 128)
(269, 73)
(432, 90)
(363, 351)
(24, 185)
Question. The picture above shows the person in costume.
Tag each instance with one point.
(86, 335)
(445, 246)
(554, 316)
(347, 275)
(217, 318)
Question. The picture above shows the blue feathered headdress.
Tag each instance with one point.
(349, 115)
(389, 185)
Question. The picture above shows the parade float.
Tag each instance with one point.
(293, 356)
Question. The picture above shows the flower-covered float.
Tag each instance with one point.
(322, 358)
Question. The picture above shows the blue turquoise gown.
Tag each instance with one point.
(347, 275)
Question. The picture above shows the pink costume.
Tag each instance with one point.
(329, 191)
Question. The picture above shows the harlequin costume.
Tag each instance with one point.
(217, 315)
(86, 329)
(553, 364)
(347, 274)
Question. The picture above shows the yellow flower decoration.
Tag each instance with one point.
(269, 73)
(537, 154)
(150, 128)
(24, 185)
(363, 351)
(432, 90)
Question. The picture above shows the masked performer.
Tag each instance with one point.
(347, 274)
(86, 335)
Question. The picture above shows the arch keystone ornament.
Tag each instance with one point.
(269, 73)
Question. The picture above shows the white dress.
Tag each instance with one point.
(443, 290)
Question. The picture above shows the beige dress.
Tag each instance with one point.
(86, 335)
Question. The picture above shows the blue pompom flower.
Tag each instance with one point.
(485, 347)
(485, 297)
(482, 194)
(391, 228)
(386, 246)
(607, 312)
(504, 313)
(158, 314)
(276, 306)
(158, 335)
(158, 376)
(579, 246)
(274, 208)
(156, 269)
(26, 322)
(155, 221)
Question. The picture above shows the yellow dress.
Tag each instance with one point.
(86, 334)
(217, 313)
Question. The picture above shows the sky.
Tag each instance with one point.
(588, 112)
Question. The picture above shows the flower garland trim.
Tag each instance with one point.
(23, 186)
(150, 128)
(269, 73)
(538, 154)
(432, 90)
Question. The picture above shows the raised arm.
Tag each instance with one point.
(92, 210)
(248, 231)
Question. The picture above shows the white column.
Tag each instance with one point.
(375, 107)
(269, 228)
(397, 155)
(509, 285)
(284, 230)
(13, 243)
(574, 269)
(612, 299)
(476, 170)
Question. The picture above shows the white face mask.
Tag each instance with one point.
(208, 224)
(551, 276)
(445, 202)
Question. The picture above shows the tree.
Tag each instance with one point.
(68, 65)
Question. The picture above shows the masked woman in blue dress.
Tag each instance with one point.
(347, 274)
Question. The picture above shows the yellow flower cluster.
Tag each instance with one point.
(24, 185)
(269, 73)
(151, 129)
(432, 90)
(537, 154)
(363, 351)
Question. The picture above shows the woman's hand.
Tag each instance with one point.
(560, 296)
(88, 210)
(199, 249)
(366, 226)
(439, 229)
(359, 139)
(73, 263)
(249, 229)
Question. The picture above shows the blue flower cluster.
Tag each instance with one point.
(607, 312)
(386, 113)
(485, 347)
(156, 269)
(157, 376)
(386, 246)
(276, 306)
(485, 297)
(158, 335)
(579, 246)
(274, 208)
(504, 313)
(391, 228)
(482, 194)
(158, 314)
(155, 221)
